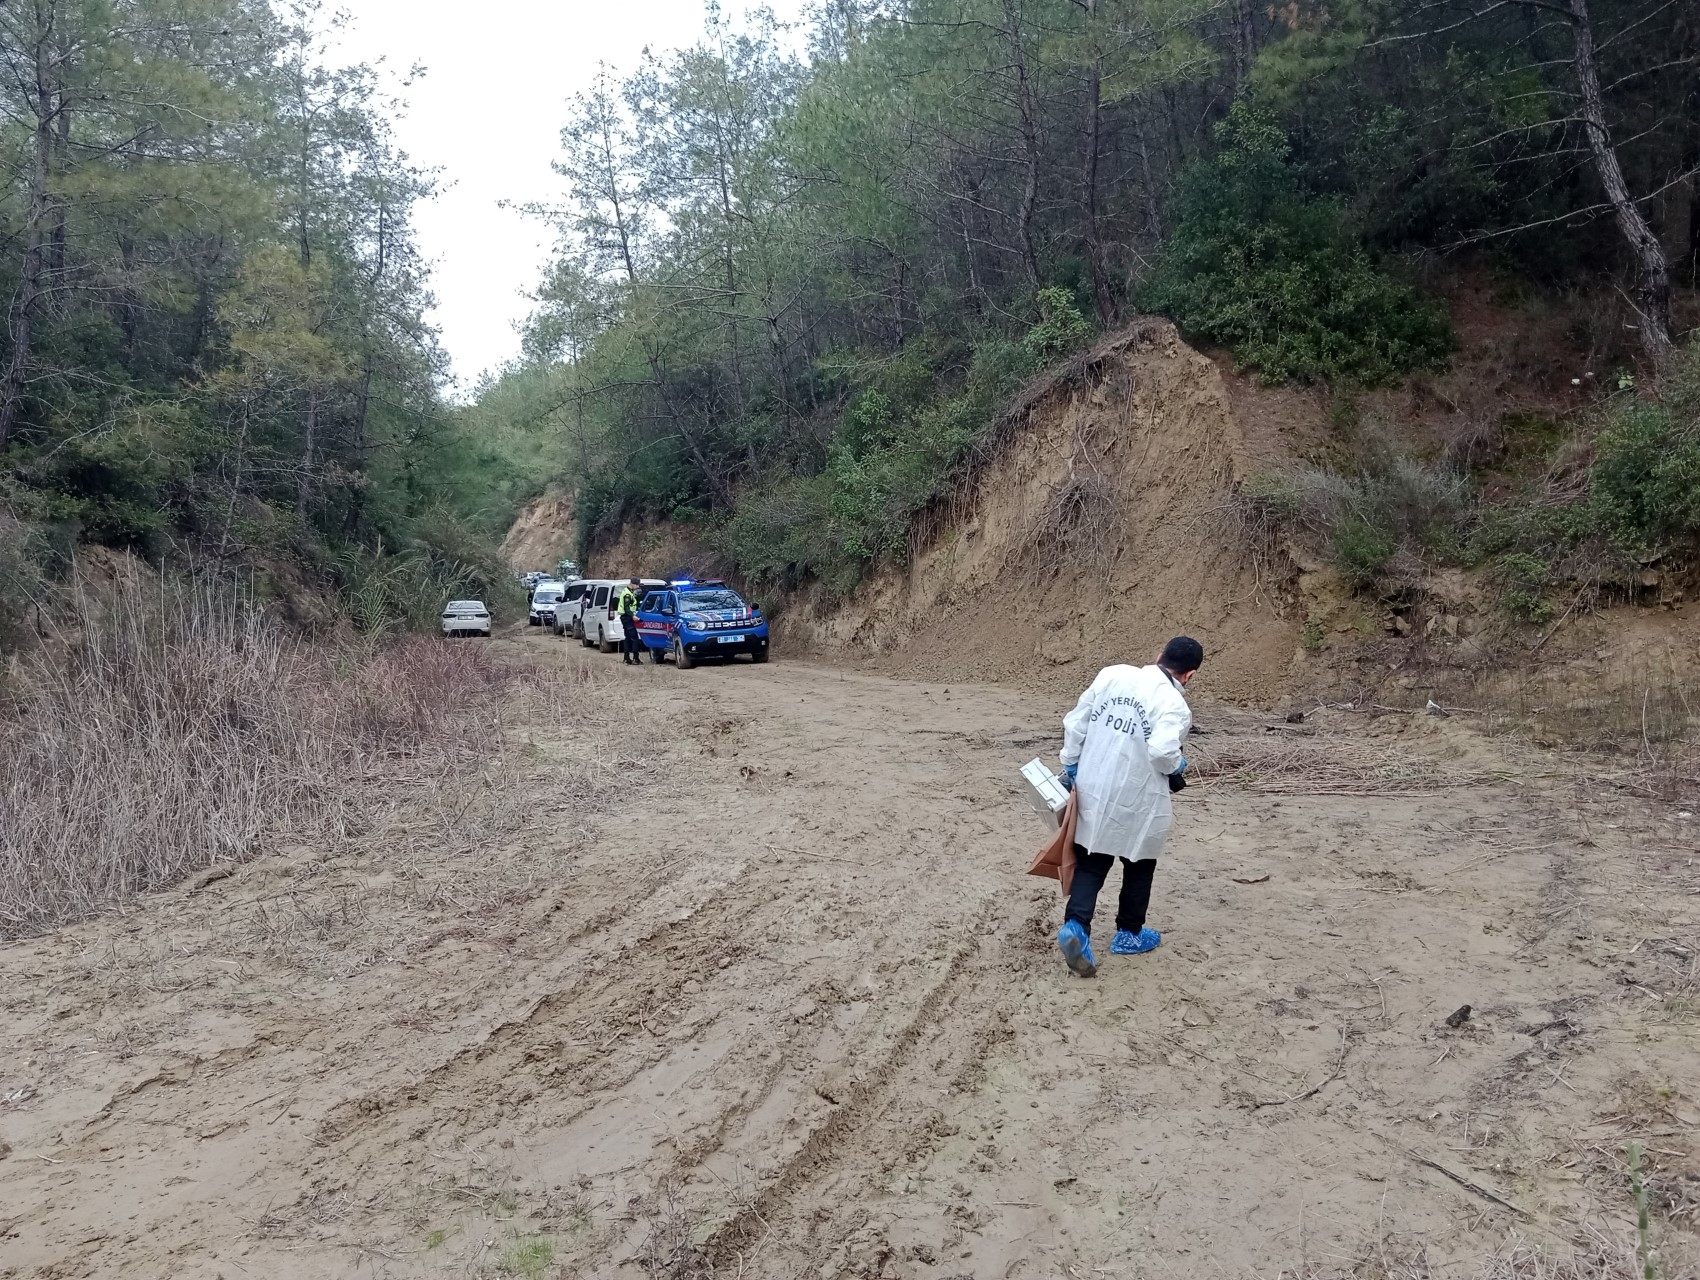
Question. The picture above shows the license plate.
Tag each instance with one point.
(728, 639)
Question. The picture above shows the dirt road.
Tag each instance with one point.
(735, 972)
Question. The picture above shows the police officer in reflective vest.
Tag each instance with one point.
(631, 648)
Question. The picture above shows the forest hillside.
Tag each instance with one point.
(796, 290)
(215, 350)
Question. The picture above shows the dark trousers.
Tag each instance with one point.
(1090, 872)
(630, 645)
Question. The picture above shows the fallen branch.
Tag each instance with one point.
(1468, 1185)
(1316, 1088)
(824, 857)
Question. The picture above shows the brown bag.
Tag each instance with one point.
(1056, 859)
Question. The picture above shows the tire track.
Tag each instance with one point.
(876, 1124)
(500, 1055)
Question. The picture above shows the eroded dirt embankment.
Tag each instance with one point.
(1097, 527)
(543, 534)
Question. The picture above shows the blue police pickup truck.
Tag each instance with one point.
(697, 620)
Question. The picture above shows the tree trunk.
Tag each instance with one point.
(1101, 294)
(1153, 209)
(35, 236)
(1694, 229)
(1029, 143)
(128, 308)
(1242, 42)
(976, 295)
(363, 397)
(900, 303)
(304, 182)
(1653, 288)
(309, 430)
(62, 165)
(1691, 162)
(235, 483)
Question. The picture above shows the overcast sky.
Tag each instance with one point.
(488, 115)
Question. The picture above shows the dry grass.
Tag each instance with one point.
(1591, 1256)
(185, 729)
(1280, 766)
(669, 1249)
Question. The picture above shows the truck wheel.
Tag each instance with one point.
(602, 641)
(681, 659)
(760, 655)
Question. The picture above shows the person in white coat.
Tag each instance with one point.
(1122, 751)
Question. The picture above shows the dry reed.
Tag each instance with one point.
(186, 729)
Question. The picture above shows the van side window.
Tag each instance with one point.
(575, 591)
(601, 596)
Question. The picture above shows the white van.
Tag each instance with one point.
(565, 613)
(599, 611)
(543, 598)
(579, 619)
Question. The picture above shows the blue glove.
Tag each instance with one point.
(1069, 770)
(1177, 780)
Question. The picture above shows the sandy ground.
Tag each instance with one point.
(752, 984)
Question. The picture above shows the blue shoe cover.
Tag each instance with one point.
(1077, 949)
(1134, 944)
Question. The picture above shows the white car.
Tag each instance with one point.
(544, 596)
(466, 618)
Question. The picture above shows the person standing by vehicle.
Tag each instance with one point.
(631, 647)
(1122, 747)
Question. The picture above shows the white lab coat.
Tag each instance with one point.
(1126, 733)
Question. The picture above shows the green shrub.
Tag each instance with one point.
(1644, 486)
(1524, 578)
(23, 578)
(1273, 496)
(1061, 328)
(1275, 274)
(1361, 550)
(886, 463)
(783, 533)
(1391, 504)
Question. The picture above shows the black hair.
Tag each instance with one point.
(1181, 655)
